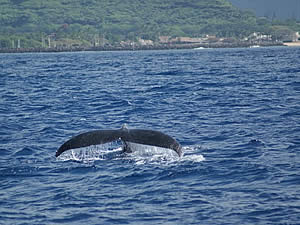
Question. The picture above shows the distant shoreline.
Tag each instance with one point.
(145, 47)
(292, 44)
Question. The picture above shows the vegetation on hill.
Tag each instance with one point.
(84, 22)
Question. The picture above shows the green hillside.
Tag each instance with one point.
(83, 21)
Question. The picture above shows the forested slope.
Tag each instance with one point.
(118, 20)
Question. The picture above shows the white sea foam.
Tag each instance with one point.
(193, 158)
(141, 154)
(91, 153)
(145, 154)
(147, 150)
(191, 153)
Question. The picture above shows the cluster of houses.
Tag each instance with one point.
(254, 38)
(168, 42)
(207, 40)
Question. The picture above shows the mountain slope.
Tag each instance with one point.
(121, 20)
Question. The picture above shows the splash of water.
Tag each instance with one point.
(91, 153)
(140, 154)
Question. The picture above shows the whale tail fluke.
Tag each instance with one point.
(139, 136)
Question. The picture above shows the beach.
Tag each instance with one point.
(292, 44)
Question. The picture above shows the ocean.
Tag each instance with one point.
(236, 113)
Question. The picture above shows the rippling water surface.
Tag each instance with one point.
(236, 113)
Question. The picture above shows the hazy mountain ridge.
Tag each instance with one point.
(276, 9)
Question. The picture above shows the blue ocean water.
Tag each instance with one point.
(236, 113)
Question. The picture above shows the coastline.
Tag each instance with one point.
(292, 44)
(145, 47)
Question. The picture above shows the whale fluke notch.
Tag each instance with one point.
(139, 136)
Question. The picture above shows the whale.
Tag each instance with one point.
(127, 136)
